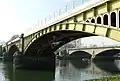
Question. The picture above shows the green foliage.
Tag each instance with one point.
(113, 78)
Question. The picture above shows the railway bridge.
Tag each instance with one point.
(97, 18)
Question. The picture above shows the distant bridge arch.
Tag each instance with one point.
(98, 51)
(81, 54)
(109, 52)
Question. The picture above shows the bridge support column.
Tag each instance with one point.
(22, 43)
(63, 54)
(93, 56)
(60, 55)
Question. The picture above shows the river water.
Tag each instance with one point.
(66, 70)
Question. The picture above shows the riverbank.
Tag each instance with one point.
(112, 78)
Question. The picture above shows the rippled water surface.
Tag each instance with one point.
(66, 70)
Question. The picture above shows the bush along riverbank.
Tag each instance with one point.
(112, 78)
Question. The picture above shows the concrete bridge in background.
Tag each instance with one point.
(110, 51)
(97, 18)
(93, 51)
(98, 51)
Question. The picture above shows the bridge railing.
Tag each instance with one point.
(60, 15)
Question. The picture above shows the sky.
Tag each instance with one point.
(17, 16)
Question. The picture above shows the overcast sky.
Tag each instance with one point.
(17, 16)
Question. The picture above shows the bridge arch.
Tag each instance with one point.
(113, 19)
(11, 51)
(99, 20)
(43, 47)
(87, 20)
(107, 54)
(81, 54)
(92, 20)
(53, 40)
(110, 52)
(105, 19)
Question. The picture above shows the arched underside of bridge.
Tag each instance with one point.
(47, 44)
(80, 54)
(43, 48)
(108, 54)
(11, 51)
(47, 40)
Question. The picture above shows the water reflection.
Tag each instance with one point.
(7, 71)
(76, 70)
(66, 70)
(109, 66)
(27, 75)
(11, 74)
(79, 64)
(3, 75)
(117, 63)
